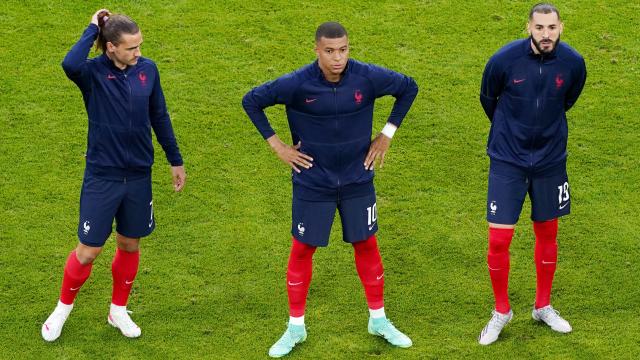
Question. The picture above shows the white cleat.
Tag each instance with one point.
(491, 332)
(52, 327)
(119, 318)
(551, 317)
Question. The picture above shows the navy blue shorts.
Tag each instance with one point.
(312, 216)
(548, 191)
(129, 202)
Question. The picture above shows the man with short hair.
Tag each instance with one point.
(329, 106)
(527, 88)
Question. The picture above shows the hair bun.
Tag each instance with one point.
(102, 18)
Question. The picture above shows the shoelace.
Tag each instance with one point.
(498, 321)
(127, 320)
(550, 312)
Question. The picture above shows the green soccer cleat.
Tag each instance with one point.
(383, 327)
(295, 334)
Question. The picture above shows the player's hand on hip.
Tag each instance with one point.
(290, 154)
(102, 12)
(377, 150)
(179, 177)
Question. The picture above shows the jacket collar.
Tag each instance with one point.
(320, 75)
(104, 59)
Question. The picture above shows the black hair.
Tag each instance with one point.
(330, 30)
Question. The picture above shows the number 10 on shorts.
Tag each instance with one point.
(372, 214)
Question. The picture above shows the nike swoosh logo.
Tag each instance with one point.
(371, 227)
(110, 77)
(380, 277)
(518, 81)
(563, 206)
(126, 282)
(492, 269)
(294, 284)
(309, 101)
(74, 289)
(548, 262)
(150, 224)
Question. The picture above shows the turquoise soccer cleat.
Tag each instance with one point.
(295, 334)
(383, 327)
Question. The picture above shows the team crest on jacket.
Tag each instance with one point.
(143, 78)
(358, 96)
(559, 81)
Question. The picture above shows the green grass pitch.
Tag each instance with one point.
(211, 281)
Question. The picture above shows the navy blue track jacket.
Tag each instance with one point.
(332, 120)
(526, 96)
(122, 106)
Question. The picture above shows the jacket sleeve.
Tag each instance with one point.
(75, 62)
(491, 87)
(400, 86)
(161, 123)
(268, 94)
(576, 87)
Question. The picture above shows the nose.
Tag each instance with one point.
(137, 53)
(545, 33)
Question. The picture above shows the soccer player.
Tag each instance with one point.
(527, 88)
(329, 106)
(124, 101)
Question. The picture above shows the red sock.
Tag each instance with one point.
(123, 270)
(75, 274)
(546, 256)
(369, 266)
(299, 273)
(498, 263)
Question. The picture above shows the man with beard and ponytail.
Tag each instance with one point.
(330, 111)
(527, 88)
(124, 101)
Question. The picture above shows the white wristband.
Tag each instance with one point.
(388, 130)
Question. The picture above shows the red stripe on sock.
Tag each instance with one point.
(498, 263)
(370, 270)
(546, 256)
(124, 269)
(75, 274)
(299, 271)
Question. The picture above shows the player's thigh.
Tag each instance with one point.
(550, 197)
(359, 217)
(134, 218)
(505, 196)
(99, 202)
(311, 221)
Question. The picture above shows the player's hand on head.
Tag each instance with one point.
(377, 151)
(179, 177)
(98, 14)
(290, 154)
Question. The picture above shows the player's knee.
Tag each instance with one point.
(499, 240)
(367, 245)
(87, 254)
(127, 244)
(300, 250)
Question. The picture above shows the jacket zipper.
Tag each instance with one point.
(539, 89)
(335, 101)
(126, 79)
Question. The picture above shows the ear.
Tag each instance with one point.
(561, 28)
(316, 50)
(528, 28)
(111, 47)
